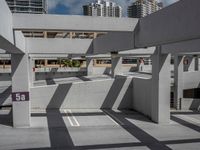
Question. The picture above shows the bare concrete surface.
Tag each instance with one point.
(100, 129)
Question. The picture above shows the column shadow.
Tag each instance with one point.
(185, 123)
(6, 118)
(113, 93)
(58, 133)
(145, 138)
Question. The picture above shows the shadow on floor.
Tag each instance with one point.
(6, 117)
(185, 123)
(5, 95)
(60, 137)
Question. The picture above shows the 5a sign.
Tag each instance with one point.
(20, 96)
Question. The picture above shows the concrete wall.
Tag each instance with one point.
(110, 93)
(58, 46)
(74, 23)
(142, 95)
(55, 75)
(107, 70)
(191, 80)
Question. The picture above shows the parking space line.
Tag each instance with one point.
(69, 116)
(74, 118)
(113, 118)
(190, 119)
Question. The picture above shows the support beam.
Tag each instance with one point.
(178, 80)
(20, 90)
(196, 63)
(32, 70)
(89, 66)
(72, 23)
(160, 104)
(185, 47)
(163, 27)
(59, 46)
(114, 41)
(191, 66)
(116, 64)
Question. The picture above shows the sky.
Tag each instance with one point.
(74, 7)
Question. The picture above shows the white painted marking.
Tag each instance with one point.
(190, 119)
(77, 124)
(115, 118)
(69, 118)
(69, 114)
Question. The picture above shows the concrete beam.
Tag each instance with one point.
(186, 47)
(114, 42)
(58, 46)
(71, 23)
(140, 51)
(175, 23)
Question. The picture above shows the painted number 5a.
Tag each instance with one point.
(20, 97)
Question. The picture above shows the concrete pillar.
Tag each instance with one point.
(20, 90)
(32, 70)
(45, 62)
(196, 63)
(191, 66)
(160, 100)
(178, 80)
(116, 64)
(89, 66)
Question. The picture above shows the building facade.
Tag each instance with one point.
(28, 6)
(142, 8)
(102, 8)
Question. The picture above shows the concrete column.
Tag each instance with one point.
(45, 62)
(116, 64)
(196, 63)
(32, 70)
(178, 80)
(191, 66)
(20, 90)
(89, 66)
(160, 108)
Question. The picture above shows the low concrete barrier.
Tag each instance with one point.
(107, 93)
(142, 95)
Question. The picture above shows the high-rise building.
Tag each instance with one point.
(142, 8)
(102, 8)
(28, 6)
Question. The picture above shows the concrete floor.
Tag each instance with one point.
(70, 80)
(100, 129)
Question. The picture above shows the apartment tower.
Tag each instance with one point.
(102, 8)
(28, 6)
(142, 8)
